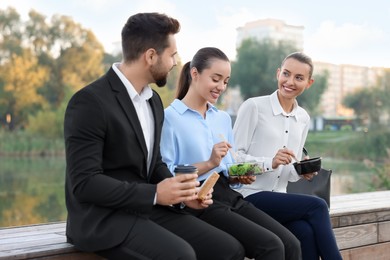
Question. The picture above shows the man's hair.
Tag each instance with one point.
(143, 31)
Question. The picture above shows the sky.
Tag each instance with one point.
(338, 32)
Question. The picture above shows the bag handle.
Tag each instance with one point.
(305, 152)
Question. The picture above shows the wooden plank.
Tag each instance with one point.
(374, 252)
(384, 231)
(360, 202)
(73, 256)
(37, 227)
(33, 238)
(355, 236)
(363, 218)
(32, 243)
(37, 251)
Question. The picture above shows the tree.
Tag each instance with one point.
(40, 59)
(311, 97)
(10, 34)
(366, 104)
(255, 69)
(22, 77)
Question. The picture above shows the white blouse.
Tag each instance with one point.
(260, 130)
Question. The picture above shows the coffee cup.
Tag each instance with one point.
(185, 169)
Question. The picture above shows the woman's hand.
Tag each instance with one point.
(246, 179)
(283, 157)
(219, 151)
(309, 176)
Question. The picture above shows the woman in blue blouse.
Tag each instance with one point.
(192, 133)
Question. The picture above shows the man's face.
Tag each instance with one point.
(166, 61)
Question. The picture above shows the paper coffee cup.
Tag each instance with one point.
(185, 169)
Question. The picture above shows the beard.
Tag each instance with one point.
(161, 82)
(159, 76)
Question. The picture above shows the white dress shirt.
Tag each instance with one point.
(143, 109)
(260, 130)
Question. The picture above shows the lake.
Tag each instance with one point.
(32, 189)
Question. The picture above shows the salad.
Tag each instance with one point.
(245, 168)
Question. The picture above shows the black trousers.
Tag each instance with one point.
(262, 236)
(172, 235)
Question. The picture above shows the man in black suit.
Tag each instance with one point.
(121, 198)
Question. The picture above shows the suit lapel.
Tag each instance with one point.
(128, 108)
(157, 130)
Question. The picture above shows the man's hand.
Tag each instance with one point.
(201, 204)
(177, 189)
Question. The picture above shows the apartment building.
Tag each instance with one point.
(343, 78)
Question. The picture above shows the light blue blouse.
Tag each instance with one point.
(188, 138)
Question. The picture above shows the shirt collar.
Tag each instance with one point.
(146, 93)
(277, 108)
(180, 107)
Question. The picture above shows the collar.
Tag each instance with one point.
(277, 108)
(180, 107)
(146, 93)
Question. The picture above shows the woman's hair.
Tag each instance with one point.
(143, 31)
(201, 61)
(301, 57)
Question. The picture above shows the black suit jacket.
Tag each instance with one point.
(107, 186)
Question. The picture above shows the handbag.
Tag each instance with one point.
(319, 186)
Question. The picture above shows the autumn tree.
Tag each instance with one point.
(22, 77)
(41, 60)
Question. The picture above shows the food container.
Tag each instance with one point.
(308, 166)
(245, 169)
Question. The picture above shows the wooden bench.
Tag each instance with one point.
(361, 225)
(46, 241)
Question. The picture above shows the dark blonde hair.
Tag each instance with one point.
(202, 60)
(301, 57)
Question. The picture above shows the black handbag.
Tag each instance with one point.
(319, 186)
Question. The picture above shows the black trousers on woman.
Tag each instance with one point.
(261, 236)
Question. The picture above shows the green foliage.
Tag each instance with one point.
(354, 145)
(20, 144)
(39, 60)
(370, 103)
(380, 180)
(311, 97)
(255, 69)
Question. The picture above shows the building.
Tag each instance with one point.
(343, 79)
(273, 29)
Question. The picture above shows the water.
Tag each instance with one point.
(32, 190)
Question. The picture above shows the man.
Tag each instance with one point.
(120, 196)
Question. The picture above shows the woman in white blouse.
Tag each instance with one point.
(273, 129)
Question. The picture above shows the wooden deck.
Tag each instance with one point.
(361, 224)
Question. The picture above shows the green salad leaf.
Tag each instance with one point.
(242, 169)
